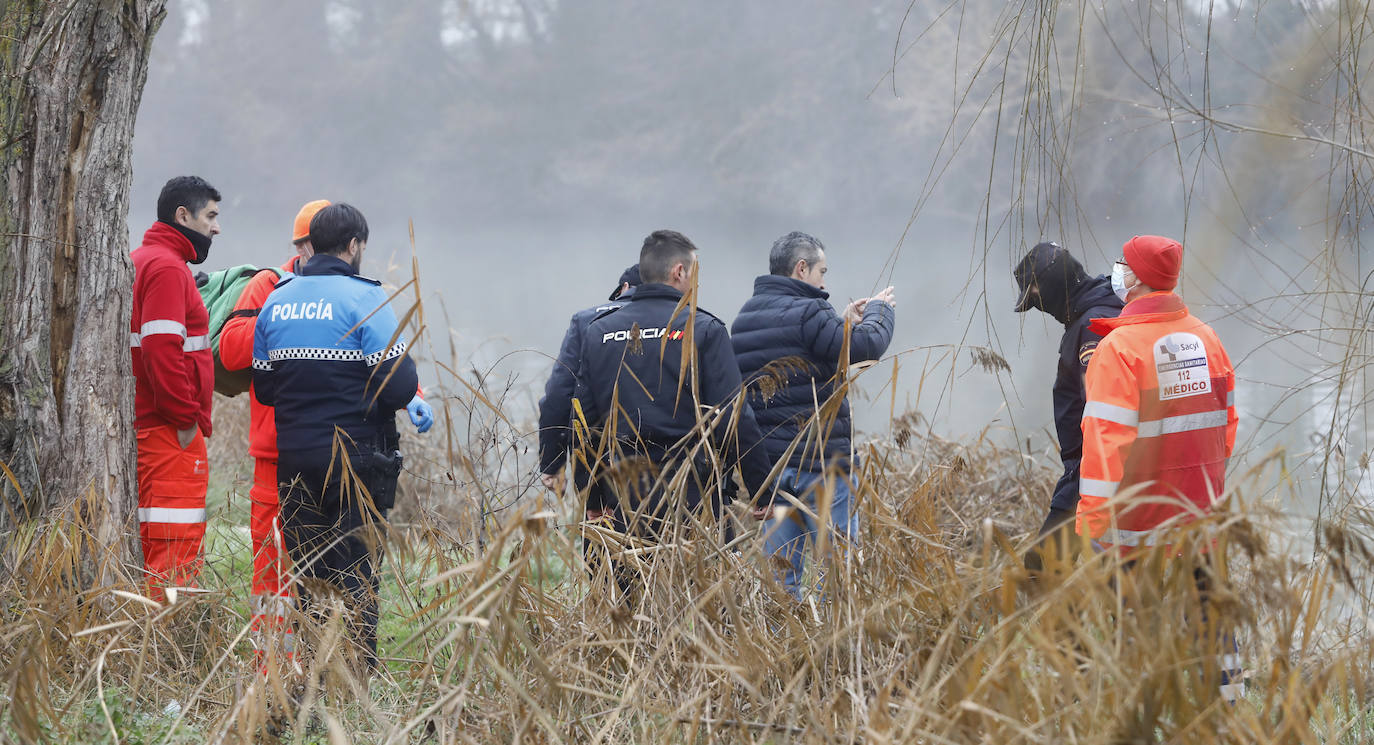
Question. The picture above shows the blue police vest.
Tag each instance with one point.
(328, 355)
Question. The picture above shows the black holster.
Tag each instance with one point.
(383, 467)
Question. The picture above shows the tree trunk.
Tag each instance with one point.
(71, 76)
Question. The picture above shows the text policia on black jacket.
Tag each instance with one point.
(326, 354)
(792, 323)
(632, 369)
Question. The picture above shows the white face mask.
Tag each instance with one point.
(1123, 279)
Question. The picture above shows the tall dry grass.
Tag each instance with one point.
(497, 630)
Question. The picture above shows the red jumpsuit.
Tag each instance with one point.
(173, 385)
(271, 592)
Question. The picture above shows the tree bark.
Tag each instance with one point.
(71, 77)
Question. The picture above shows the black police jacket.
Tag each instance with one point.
(555, 408)
(633, 379)
(1092, 298)
(789, 331)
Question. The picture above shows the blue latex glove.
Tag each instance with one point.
(420, 414)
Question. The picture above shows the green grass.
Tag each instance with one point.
(87, 723)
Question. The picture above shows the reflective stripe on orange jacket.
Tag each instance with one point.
(1160, 421)
(236, 353)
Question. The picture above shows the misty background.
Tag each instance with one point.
(534, 143)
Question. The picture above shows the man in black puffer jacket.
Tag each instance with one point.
(791, 346)
(1052, 280)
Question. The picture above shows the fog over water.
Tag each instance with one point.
(534, 144)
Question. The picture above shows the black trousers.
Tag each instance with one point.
(1056, 538)
(644, 511)
(334, 532)
(643, 508)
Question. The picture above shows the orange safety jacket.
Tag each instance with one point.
(236, 353)
(1159, 420)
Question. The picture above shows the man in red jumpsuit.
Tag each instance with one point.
(271, 594)
(173, 382)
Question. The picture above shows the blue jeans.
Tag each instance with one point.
(786, 537)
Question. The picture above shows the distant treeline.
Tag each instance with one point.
(511, 108)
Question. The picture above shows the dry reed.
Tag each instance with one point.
(497, 631)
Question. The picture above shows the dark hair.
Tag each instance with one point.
(663, 250)
(790, 249)
(191, 192)
(332, 228)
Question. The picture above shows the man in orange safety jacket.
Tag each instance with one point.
(173, 382)
(271, 592)
(1159, 421)
(1160, 417)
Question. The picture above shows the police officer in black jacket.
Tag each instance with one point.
(328, 356)
(658, 384)
(1052, 280)
(555, 408)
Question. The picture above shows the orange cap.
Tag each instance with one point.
(301, 230)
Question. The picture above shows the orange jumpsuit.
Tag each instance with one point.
(271, 592)
(1160, 419)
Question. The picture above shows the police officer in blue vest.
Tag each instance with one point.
(328, 355)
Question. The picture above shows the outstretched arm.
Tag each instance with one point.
(823, 329)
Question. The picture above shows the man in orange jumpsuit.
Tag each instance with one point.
(271, 593)
(1159, 422)
(173, 382)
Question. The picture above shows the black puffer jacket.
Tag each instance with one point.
(792, 324)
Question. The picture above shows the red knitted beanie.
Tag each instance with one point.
(1154, 259)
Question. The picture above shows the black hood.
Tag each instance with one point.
(1056, 276)
(1093, 292)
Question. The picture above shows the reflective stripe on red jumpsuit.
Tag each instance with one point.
(1160, 421)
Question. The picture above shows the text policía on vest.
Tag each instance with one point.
(319, 310)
